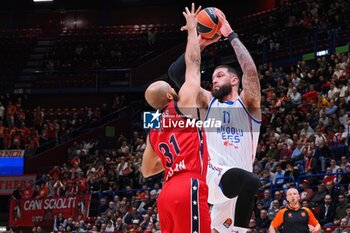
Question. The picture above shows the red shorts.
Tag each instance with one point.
(183, 205)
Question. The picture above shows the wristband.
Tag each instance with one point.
(232, 36)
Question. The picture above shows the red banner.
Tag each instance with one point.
(9, 183)
(11, 153)
(31, 212)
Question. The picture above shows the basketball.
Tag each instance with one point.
(209, 23)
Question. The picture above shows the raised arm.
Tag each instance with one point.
(177, 69)
(251, 93)
(190, 89)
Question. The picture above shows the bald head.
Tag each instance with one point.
(293, 197)
(292, 190)
(159, 94)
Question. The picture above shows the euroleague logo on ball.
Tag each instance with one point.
(209, 23)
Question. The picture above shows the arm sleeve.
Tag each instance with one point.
(312, 220)
(278, 220)
(176, 71)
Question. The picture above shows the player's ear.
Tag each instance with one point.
(169, 96)
(234, 80)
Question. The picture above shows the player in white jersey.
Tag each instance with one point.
(232, 147)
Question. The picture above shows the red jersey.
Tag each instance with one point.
(180, 145)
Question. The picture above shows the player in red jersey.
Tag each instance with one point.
(178, 146)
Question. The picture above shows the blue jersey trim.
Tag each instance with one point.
(255, 120)
(227, 102)
(210, 104)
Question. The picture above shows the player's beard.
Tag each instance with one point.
(223, 91)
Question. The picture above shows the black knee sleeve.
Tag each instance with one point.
(244, 185)
(236, 180)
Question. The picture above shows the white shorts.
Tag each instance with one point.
(222, 216)
(222, 211)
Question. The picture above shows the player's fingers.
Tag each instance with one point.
(183, 28)
(198, 10)
(220, 13)
(192, 8)
(187, 10)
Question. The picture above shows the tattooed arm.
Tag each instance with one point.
(251, 93)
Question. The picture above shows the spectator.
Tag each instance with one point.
(278, 178)
(16, 194)
(307, 130)
(341, 209)
(347, 215)
(294, 96)
(132, 215)
(263, 222)
(285, 153)
(145, 221)
(120, 226)
(103, 205)
(329, 177)
(332, 91)
(274, 208)
(327, 212)
(344, 163)
(266, 200)
(333, 191)
(110, 226)
(332, 108)
(342, 228)
(28, 192)
(124, 149)
(68, 224)
(111, 208)
(319, 196)
(307, 193)
(334, 166)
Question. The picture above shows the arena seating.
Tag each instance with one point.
(114, 46)
(304, 139)
(16, 46)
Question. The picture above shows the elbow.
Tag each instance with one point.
(251, 71)
(193, 59)
(145, 172)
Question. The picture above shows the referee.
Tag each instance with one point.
(294, 218)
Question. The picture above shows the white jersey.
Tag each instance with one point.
(234, 143)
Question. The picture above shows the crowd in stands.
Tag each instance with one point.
(315, 20)
(293, 27)
(111, 177)
(25, 128)
(305, 131)
(118, 46)
(304, 143)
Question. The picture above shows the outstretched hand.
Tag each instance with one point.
(190, 17)
(225, 29)
(204, 42)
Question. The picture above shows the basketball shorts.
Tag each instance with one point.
(183, 206)
(222, 211)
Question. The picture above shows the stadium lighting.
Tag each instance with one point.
(42, 0)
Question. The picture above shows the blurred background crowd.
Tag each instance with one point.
(304, 140)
